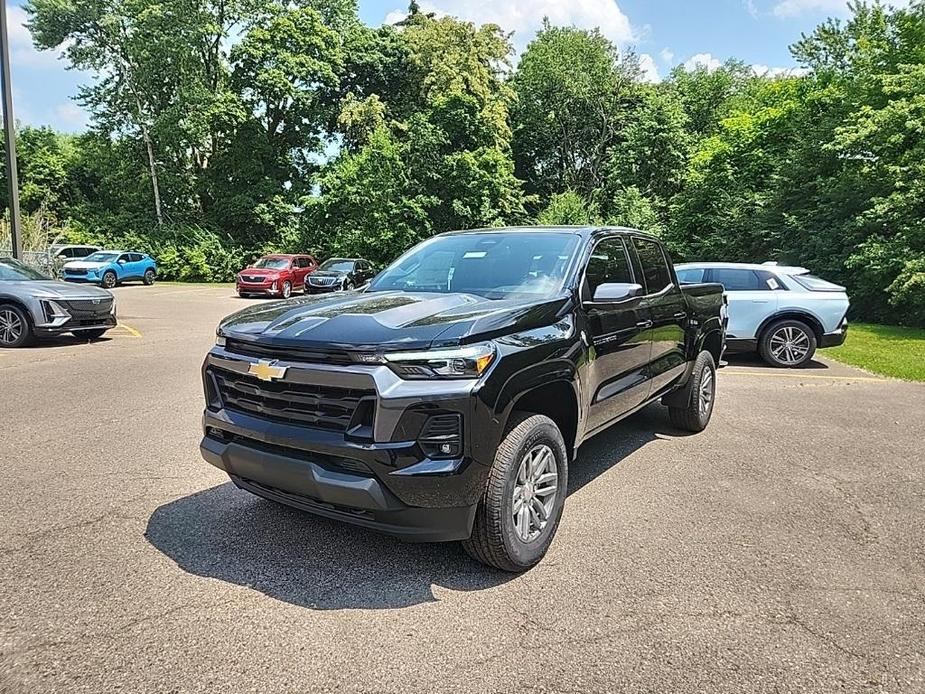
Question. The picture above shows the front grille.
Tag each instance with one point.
(75, 271)
(321, 407)
(253, 278)
(298, 354)
(322, 281)
(85, 308)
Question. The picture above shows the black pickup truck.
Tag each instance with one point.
(446, 399)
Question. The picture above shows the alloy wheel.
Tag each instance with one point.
(535, 492)
(11, 327)
(789, 345)
(705, 398)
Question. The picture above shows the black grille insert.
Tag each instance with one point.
(285, 353)
(321, 407)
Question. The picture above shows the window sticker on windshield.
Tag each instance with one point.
(475, 254)
(772, 283)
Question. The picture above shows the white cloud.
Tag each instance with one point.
(794, 8)
(667, 56)
(649, 68)
(525, 17)
(704, 60)
(22, 52)
(70, 116)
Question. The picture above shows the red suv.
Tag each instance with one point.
(276, 275)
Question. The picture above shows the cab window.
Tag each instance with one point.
(608, 264)
(654, 265)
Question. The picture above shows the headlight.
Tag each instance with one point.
(219, 339)
(461, 362)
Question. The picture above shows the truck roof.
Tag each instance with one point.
(585, 230)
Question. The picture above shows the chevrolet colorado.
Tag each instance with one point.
(446, 399)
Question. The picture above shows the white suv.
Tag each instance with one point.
(784, 313)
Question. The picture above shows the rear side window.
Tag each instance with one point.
(739, 280)
(690, 275)
(816, 284)
(608, 265)
(654, 266)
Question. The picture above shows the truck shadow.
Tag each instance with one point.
(312, 562)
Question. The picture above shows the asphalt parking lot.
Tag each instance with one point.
(782, 550)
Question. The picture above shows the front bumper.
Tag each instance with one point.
(323, 490)
(254, 288)
(380, 479)
(77, 325)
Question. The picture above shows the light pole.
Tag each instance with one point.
(9, 128)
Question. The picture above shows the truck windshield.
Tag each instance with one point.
(494, 265)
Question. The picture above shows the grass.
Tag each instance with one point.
(884, 349)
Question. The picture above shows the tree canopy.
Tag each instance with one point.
(221, 129)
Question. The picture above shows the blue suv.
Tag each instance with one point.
(109, 268)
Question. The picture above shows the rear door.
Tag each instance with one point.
(751, 298)
(299, 271)
(619, 342)
(668, 312)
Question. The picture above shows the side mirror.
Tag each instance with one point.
(121, 262)
(617, 291)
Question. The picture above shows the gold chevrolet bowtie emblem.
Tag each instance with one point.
(267, 371)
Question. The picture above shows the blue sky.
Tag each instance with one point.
(664, 32)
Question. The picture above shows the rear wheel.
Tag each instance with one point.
(787, 344)
(149, 277)
(109, 279)
(691, 411)
(520, 509)
(15, 327)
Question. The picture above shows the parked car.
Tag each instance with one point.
(34, 305)
(783, 313)
(340, 274)
(276, 275)
(59, 254)
(446, 400)
(110, 268)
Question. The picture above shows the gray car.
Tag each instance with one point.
(33, 305)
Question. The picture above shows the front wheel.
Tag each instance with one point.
(149, 277)
(287, 289)
(693, 409)
(15, 328)
(109, 279)
(787, 344)
(519, 511)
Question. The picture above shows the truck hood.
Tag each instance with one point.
(53, 289)
(388, 321)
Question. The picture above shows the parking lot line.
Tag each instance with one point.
(762, 374)
(129, 329)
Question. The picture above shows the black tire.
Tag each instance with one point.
(90, 334)
(286, 291)
(494, 540)
(348, 285)
(149, 277)
(787, 344)
(696, 401)
(109, 280)
(15, 327)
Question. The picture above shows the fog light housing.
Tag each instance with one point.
(441, 437)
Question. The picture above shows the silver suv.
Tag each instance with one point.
(33, 305)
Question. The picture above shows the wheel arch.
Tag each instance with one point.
(556, 399)
(792, 314)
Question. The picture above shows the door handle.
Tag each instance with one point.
(680, 314)
(644, 324)
(760, 301)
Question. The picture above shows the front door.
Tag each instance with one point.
(668, 311)
(618, 338)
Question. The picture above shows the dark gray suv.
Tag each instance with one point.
(33, 305)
